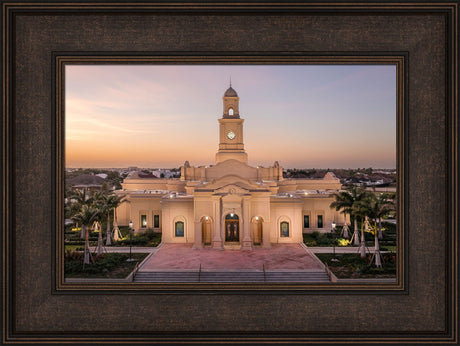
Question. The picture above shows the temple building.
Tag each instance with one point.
(229, 204)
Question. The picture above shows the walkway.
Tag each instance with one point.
(184, 256)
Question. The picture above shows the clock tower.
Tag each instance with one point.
(231, 146)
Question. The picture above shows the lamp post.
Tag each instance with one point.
(334, 259)
(130, 241)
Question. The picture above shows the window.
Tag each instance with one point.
(179, 229)
(306, 221)
(320, 221)
(284, 228)
(143, 221)
(230, 111)
(156, 221)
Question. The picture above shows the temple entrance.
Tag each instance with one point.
(232, 228)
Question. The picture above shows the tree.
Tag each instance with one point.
(383, 206)
(107, 203)
(361, 210)
(82, 197)
(78, 199)
(86, 216)
(376, 207)
(348, 202)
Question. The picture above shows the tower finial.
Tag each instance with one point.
(230, 81)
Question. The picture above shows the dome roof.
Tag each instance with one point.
(230, 93)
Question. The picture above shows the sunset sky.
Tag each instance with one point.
(301, 116)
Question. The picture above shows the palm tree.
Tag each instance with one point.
(82, 197)
(86, 216)
(110, 202)
(78, 199)
(385, 205)
(348, 201)
(361, 210)
(375, 207)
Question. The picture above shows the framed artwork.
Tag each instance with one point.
(41, 39)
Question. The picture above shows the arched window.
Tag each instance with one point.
(284, 229)
(230, 111)
(231, 216)
(179, 229)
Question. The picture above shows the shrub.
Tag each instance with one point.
(322, 239)
(389, 227)
(73, 256)
(343, 242)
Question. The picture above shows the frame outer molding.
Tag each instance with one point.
(26, 324)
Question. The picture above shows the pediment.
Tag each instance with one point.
(232, 189)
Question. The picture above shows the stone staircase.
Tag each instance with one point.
(234, 276)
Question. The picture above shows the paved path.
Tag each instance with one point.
(184, 256)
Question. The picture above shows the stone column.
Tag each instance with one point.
(217, 232)
(246, 222)
(198, 244)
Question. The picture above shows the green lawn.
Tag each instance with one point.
(107, 265)
(353, 266)
(74, 247)
(149, 238)
(391, 248)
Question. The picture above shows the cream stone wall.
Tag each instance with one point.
(233, 167)
(289, 210)
(288, 185)
(152, 184)
(174, 210)
(144, 205)
(319, 205)
(124, 213)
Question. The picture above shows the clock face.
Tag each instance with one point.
(231, 135)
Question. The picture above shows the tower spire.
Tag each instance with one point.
(230, 81)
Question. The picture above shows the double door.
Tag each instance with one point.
(232, 231)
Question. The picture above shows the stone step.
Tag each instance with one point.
(231, 276)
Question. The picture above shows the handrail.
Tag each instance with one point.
(199, 274)
(263, 267)
(136, 268)
(328, 271)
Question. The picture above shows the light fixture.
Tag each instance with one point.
(206, 218)
(257, 218)
(130, 224)
(231, 214)
(333, 224)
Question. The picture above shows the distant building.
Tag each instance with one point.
(86, 182)
(163, 173)
(230, 204)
